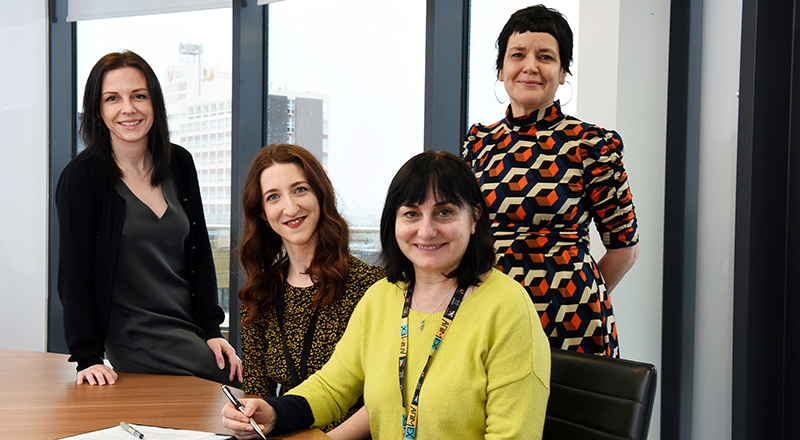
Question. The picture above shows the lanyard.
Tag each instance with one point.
(410, 419)
(296, 376)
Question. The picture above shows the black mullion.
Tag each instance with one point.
(446, 64)
(680, 226)
(249, 128)
(760, 295)
(62, 144)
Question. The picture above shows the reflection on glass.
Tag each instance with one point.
(351, 91)
(487, 98)
(191, 55)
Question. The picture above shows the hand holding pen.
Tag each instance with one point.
(240, 419)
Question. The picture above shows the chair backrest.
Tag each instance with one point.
(594, 397)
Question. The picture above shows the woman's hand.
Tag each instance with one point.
(221, 348)
(97, 374)
(239, 424)
(616, 263)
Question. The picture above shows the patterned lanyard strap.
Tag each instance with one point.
(410, 419)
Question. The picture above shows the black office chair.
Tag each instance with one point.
(594, 397)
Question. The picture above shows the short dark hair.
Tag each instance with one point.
(538, 18)
(450, 180)
(93, 129)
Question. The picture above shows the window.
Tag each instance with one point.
(357, 85)
(191, 55)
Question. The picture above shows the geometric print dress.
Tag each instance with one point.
(545, 177)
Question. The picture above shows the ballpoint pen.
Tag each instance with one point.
(131, 429)
(240, 407)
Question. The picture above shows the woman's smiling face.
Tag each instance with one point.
(290, 206)
(126, 107)
(434, 235)
(531, 71)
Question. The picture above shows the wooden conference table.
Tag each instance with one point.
(40, 400)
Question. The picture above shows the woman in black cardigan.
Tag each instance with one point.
(136, 276)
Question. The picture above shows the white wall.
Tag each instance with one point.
(719, 104)
(23, 175)
(598, 68)
(641, 93)
(641, 119)
(623, 82)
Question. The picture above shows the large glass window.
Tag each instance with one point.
(487, 97)
(191, 55)
(350, 90)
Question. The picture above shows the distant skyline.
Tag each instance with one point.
(371, 70)
(212, 28)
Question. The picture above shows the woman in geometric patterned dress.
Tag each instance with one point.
(546, 176)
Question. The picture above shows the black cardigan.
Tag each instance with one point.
(90, 218)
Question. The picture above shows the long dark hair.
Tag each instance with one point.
(93, 129)
(449, 180)
(538, 18)
(261, 251)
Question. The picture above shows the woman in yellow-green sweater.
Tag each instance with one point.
(446, 346)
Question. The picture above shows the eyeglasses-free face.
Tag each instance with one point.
(126, 107)
(531, 71)
(434, 235)
(290, 206)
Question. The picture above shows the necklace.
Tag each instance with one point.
(422, 321)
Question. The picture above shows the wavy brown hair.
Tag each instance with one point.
(261, 250)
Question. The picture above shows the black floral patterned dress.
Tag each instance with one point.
(262, 352)
(545, 177)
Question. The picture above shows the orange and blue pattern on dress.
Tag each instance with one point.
(545, 177)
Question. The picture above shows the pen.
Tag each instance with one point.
(131, 429)
(240, 407)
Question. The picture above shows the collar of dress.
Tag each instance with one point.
(547, 115)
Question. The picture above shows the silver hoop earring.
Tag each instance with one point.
(496, 82)
(571, 93)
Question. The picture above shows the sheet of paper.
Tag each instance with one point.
(150, 433)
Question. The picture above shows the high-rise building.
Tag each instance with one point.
(300, 119)
(198, 101)
(197, 94)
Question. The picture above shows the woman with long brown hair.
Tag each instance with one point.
(302, 283)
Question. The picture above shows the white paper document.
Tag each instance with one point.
(150, 433)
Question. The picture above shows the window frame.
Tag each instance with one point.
(62, 140)
(447, 26)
